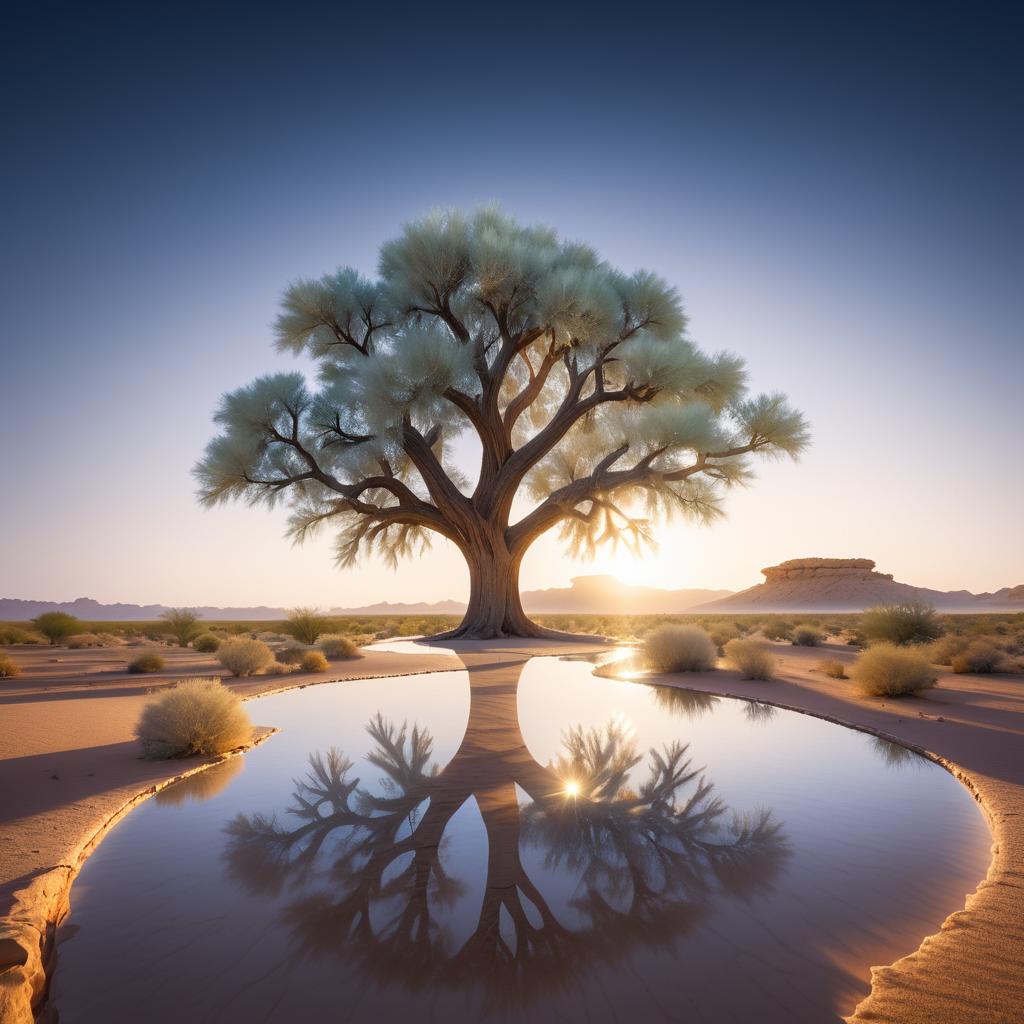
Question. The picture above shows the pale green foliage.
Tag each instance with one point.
(243, 657)
(198, 716)
(678, 649)
(578, 381)
(205, 643)
(751, 658)
(313, 661)
(334, 645)
(886, 670)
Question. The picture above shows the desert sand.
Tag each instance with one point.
(69, 770)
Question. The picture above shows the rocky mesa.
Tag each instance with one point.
(850, 585)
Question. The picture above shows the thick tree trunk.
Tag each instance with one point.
(495, 609)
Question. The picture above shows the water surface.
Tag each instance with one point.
(520, 843)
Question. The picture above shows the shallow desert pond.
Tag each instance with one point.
(520, 844)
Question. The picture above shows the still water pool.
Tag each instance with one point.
(522, 841)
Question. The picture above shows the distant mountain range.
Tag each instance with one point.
(850, 585)
(603, 594)
(802, 584)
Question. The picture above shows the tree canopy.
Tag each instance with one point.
(593, 409)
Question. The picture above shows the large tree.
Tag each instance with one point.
(592, 408)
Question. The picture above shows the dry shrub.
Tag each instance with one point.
(8, 667)
(198, 716)
(17, 635)
(752, 659)
(908, 623)
(806, 635)
(76, 643)
(946, 648)
(313, 661)
(679, 649)
(774, 629)
(148, 662)
(334, 646)
(305, 625)
(833, 669)
(292, 655)
(205, 643)
(886, 670)
(244, 657)
(979, 656)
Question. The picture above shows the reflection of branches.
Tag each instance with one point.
(648, 857)
(690, 703)
(757, 713)
(894, 755)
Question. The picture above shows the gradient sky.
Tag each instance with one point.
(834, 189)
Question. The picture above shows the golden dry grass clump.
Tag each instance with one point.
(243, 657)
(291, 655)
(198, 716)
(334, 646)
(9, 668)
(751, 658)
(886, 670)
(806, 635)
(833, 669)
(150, 661)
(205, 643)
(313, 661)
(979, 656)
(679, 649)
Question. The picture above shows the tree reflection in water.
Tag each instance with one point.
(647, 857)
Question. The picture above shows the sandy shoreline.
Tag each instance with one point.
(971, 971)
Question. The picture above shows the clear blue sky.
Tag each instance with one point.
(835, 192)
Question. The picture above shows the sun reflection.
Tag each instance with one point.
(572, 789)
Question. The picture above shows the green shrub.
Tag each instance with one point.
(243, 657)
(150, 661)
(806, 635)
(886, 670)
(8, 667)
(57, 626)
(205, 643)
(679, 649)
(305, 624)
(908, 623)
(833, 669)
(313, 661)
(753, 660)
(334, 646)
(182, 624)
(980, 656)
(198, 716)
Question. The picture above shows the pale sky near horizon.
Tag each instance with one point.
(837, 199)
